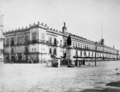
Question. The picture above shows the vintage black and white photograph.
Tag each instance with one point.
(59, 45)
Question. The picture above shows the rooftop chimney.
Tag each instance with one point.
(45, 25)
(64, 28)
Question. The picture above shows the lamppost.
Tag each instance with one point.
(95, 51)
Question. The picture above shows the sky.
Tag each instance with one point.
(91, 19)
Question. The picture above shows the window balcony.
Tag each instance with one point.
(27, 42)
(5, 45)
(51, 44)
(37, 41)
(34, 41)
(42, 42)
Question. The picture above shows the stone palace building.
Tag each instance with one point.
(38, 42)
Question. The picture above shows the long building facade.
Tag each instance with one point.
(38, 42)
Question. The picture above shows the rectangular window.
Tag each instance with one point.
(50, 51)
(26, 49)
(7, 41)
(26, 38)
(55, 52)
(82, 46)
(42, 36)
(12, 50)
(60, 43)
(34, 36)
(19, 40)
(78, 45)
(50, 40)
(12, 40)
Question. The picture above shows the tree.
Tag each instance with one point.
(69, 40)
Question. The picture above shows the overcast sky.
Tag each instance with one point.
(86, 18)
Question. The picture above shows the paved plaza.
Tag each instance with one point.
(42, 78)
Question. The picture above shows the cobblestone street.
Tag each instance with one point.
(40, 78)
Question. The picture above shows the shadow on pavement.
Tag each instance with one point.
(111, 87)
(115, 84)
(101, 90)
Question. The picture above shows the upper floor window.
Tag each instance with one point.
(26, 49)
(12, 40)
(20, 39)
(42, 36)
(55, 41)
(76, 54)
(50, 40)
(60, 43)
(86, 46)
(55, 52)
(7, 41)
(65, 43)
(12, 50)
(83, 46)
(26, 38)
(34, 36)
(74, 44)
(50, 50)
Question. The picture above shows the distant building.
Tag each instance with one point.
(38, 42)
(1, 38)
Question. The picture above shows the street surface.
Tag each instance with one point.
(42, 78)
